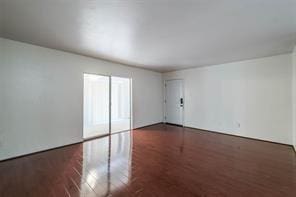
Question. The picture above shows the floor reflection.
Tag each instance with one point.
(106, 164)
(165, 161)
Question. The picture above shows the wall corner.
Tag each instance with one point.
(294, 97)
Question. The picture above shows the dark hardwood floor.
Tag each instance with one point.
(161, 160)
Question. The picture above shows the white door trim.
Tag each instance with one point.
(165, 95)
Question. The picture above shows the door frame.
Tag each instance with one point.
(110, 107)
(165, 95)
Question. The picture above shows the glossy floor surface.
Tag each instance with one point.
(160, 160)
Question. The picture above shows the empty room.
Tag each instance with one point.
(164, 98)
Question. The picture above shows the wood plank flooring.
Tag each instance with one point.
(160, 160)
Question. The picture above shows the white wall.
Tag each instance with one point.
(41, 96)
(294, 97)
(248, 98)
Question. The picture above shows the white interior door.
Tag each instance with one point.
(174, 102)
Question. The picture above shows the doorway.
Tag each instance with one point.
(106, 105)
(174, 102)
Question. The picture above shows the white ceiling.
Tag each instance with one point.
(161, 35)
